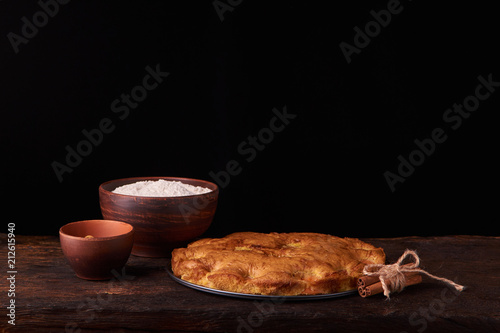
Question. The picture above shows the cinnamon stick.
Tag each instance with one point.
(411, 278)
(366, 280)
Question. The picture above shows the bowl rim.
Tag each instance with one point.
(96, 239)
(137, 179)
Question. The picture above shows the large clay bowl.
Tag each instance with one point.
(161, 223)
(101, 256)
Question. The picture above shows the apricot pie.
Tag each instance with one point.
(276, 263)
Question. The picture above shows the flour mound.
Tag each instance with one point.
(160, 188)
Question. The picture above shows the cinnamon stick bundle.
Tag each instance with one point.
(394, 277)
(371, 285)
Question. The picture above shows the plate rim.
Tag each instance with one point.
(255, 296)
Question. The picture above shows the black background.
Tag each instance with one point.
(323, 172)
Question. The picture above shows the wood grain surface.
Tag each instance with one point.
(50, 298)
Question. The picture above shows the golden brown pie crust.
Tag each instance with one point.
(276, 263)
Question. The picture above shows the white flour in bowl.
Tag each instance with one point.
(160, 188)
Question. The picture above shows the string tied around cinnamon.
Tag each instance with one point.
(392, 277)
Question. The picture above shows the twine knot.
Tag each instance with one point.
(392, 276)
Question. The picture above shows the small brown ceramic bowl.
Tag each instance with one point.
(161, 223)
(96, 249)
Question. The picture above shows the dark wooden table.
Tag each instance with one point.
(50, 298)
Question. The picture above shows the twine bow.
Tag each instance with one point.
(394, 273)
